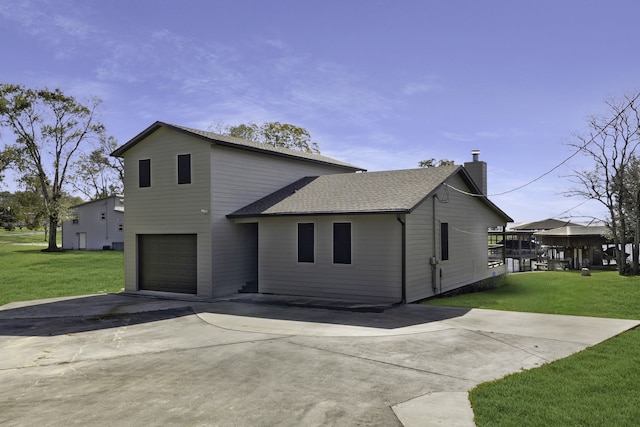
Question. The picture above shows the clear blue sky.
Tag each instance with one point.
(381, 84)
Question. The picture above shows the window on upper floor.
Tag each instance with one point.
(342, 243)
(306, 242)
(144, 173)
(444, 241)
(184, 168)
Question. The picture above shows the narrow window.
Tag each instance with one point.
(342, 243)
(184, 168)
(444, 241)
(144, 170)
(306, 242)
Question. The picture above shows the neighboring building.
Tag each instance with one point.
(98, 224)
(210, 215)
(575, 246)
(522, 250)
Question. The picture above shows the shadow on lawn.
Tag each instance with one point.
(89, 313)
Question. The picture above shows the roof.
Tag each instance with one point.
(545, 224)
(398, 191)
(231, 141)
(575, 230)
(102, 199)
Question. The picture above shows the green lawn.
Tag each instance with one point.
(603, 294)
(28, 273)
(596, 387)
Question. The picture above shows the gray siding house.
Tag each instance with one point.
(98, 224)
(210, 215)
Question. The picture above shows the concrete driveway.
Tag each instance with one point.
(265, 361)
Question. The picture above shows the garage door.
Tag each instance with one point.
(167, 263)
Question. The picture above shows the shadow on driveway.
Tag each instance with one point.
(88, 313)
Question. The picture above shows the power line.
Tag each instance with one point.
(609, 123)
(576, 152)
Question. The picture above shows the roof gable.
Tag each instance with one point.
(372, 192)
(233, 142)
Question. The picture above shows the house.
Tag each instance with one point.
(98, 224)
(210, 215)
(579, 245)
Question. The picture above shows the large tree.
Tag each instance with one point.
(97, 174)
(283, 135)
(50, 131)
(610, 144)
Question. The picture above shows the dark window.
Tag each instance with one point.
(144, 169)
(342, 243)
(184, 168)
(444, 241)
(305, 242)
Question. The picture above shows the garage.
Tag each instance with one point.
(168, 263)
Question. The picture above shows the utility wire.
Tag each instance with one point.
(609, 123)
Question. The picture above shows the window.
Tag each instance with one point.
(306, 244)
(342, 243)
(444, 241)
(184, 168)
(144, 173)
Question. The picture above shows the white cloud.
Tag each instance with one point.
(429, 85)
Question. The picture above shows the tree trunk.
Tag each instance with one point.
(53, 231)
(636, 239)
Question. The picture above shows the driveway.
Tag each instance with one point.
(265, 361)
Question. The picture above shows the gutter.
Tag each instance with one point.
(404, 257)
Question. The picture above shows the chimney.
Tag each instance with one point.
(478, 171)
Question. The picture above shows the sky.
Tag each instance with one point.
(379, 84)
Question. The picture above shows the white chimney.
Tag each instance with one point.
(477, 169)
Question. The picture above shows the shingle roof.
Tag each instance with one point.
(236, 143)
(370, 192)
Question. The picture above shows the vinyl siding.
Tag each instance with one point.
(468, 219)
(238, 178)
(167, 207)
(375, 272)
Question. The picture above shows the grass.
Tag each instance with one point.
(603, 294)
(28, 273)
(596, 387)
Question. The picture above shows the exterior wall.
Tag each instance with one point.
(375, 272)
(238, 178)
(469, 219)
(167, 207)
(100, 231)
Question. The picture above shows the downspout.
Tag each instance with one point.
(404, 258)
(434, 258)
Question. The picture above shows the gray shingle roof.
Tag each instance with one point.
(370, 192)
(237, 143)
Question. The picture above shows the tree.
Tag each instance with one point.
(98, 174)
(631, 208)
(50, 130)
(283, 135)
(430, 163)
(610, 143)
